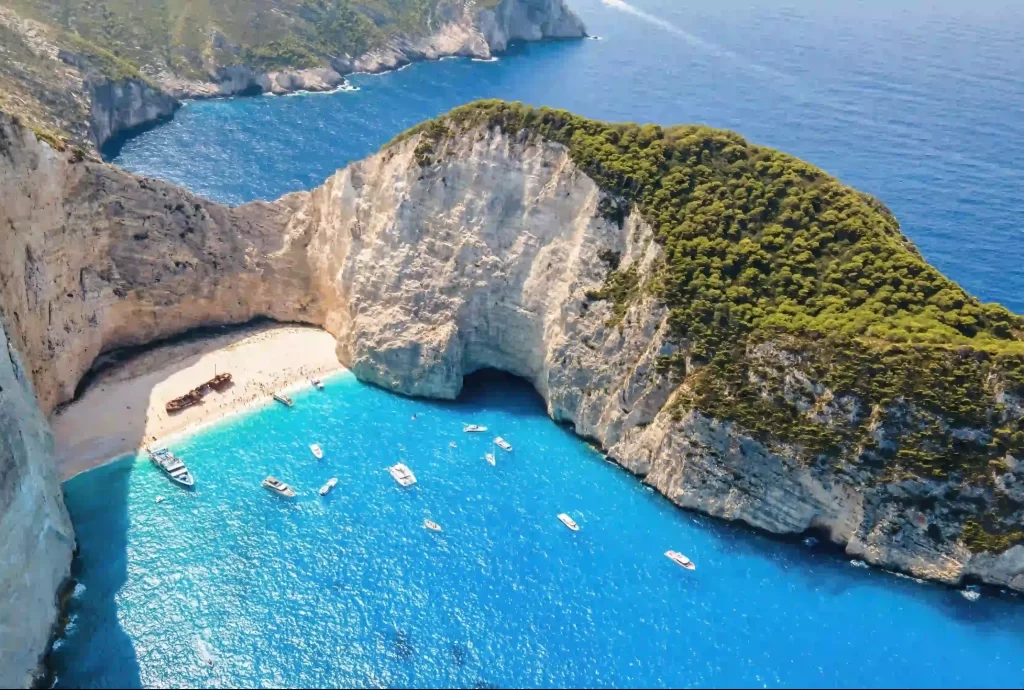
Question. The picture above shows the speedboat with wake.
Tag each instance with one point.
(680, 559)
(474, 429)
(402, 474)
(278, 487)
(318, 452)
(489, 457)
(568, 522)
(326, 488)
(172, 466)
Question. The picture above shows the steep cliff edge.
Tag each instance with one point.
(755, 340)
(88, 74)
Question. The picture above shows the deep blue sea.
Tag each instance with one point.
(916, 102)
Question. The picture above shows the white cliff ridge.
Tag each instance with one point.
(487, 255)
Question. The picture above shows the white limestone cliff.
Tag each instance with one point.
(486, 255)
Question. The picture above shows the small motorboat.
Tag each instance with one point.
(317, 383)
(431, 525)
(474, 429)
(680, 559)
(402, 474)
(489, 457)
(452, 445)
(318, 452)
(568, 522)
(283, 399)
(326, 488)
(503, 444)
(278, 487)
(159, 499)
(172, 466)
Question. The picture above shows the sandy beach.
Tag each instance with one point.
(122, 409)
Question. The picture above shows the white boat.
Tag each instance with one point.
(318, 452)
(317, 383)
(283, 399)
(971, 593)
(474, 429)
(568, 522)
(680, 559)
(431, 525)
(503, 444)
(326, 488)
(173, 467)
(402, 474)
(489, 457)
(278, 487)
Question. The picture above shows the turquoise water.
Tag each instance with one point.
(350, 590)
(916, 102)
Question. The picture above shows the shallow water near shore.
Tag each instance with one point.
(350, 590)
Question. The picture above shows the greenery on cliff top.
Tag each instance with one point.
(775, 273)
(186, 35)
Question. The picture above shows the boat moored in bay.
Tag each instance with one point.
(680, 559)
(278, 487)
(402, 474)
(172, 466)
(568, 522)
(326, 488)
(284, 399)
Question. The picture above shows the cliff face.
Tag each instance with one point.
(58, 83)
(428, 261)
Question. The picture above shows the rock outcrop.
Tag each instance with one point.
(487, 253)
(59, 84)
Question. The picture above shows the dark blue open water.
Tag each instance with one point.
(918, 103)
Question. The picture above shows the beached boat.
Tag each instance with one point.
(172, 466)
(219, 382)
(680, 559)
(489, 457)
(503, 444)
(568, 522)
(474, 429)
(326, 488)
(318, 452)
(317, 383)
(283, 399)
(278, 487)
(431, 525)
(193, 397)
(402, 474)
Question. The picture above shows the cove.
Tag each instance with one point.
(349, 590)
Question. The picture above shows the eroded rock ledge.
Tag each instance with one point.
(487, 255)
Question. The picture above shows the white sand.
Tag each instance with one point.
(123, 409)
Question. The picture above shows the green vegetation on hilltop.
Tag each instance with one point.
(777, 274)
(185, 36)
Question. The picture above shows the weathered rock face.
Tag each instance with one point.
(119, 107)
(486, 253)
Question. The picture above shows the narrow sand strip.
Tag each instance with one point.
(123, 409)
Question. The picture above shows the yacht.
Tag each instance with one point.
(503, 444)
(171, 466)
(283, 399)
(317, 383)
(402, 474)
(680, 559)
(489, 457)
(568, 522)
(431, 525)
(318, 452)
(474, 429)
(278, 487)
(326, 488)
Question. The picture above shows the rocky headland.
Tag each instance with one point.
(747, 335)
(90, 76)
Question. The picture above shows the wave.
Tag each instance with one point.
(696, 41)
(490, 59)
